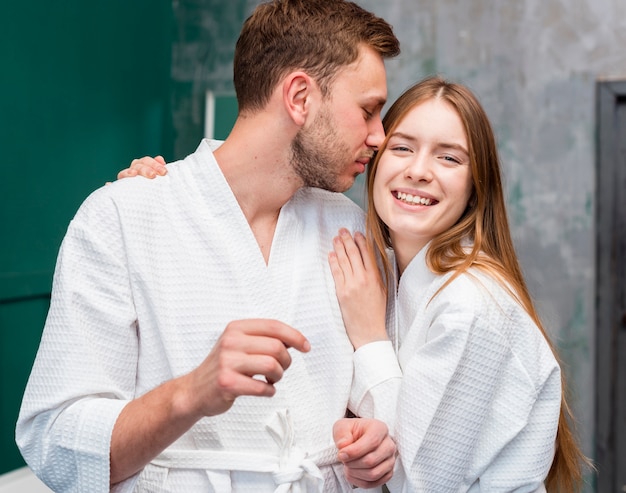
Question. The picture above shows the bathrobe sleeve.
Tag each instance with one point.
(84, 372)
(376, 383)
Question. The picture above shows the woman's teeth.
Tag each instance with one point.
(413, 199)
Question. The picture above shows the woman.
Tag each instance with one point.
(481, 405)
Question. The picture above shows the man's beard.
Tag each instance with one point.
(318, 156)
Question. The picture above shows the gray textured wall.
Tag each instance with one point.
(534, 65)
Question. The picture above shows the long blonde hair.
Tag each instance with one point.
(485, 223)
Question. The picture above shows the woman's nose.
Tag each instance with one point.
(419, 169)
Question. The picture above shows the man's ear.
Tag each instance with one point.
(298, 94)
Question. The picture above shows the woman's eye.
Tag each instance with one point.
(451, 159)
(400, 149)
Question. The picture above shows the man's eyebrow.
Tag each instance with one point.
(377, 101)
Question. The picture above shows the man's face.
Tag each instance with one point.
(336, 147)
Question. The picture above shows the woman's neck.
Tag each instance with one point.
(405, 250)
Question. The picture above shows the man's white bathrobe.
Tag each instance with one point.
(149, 274)
(479, 402)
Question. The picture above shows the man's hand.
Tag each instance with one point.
(146, 166)
(248, 359)
(366, 450)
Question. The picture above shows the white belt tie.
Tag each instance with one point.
(293, 471)
(293, 461)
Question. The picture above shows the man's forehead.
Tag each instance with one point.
(365, 78)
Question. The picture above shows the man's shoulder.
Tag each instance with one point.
(330, 209)
(182, 173)
(323, 199)
(139, 196)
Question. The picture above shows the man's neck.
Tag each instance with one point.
(260, 176)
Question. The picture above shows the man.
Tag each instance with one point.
(178, 304)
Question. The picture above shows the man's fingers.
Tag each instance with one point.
(248, 359)
(260, 368)
(260, 347)
(255, 355)
(275, 329)
(235, 384)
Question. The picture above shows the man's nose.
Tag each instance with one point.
(376, 134)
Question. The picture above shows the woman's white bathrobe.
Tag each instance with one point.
(479, 401)
(149, 274)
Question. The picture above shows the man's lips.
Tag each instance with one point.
(362, 163)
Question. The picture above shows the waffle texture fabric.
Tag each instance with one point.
(479, 402)
(148, 275)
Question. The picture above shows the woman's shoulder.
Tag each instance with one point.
(477, 288)
(479, 299)
(492, 305)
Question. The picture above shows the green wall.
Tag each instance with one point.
(84, 88)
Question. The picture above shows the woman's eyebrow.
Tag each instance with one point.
(402, 135)
(458, 147)
(445, 145)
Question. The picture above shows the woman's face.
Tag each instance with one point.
(423, 182)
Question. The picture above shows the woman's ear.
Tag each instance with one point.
(472, 201)
(298, 89)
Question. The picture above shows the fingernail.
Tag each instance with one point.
(342, 456)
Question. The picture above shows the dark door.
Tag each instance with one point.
(611, 287)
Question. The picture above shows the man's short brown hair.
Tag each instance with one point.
(316, 36)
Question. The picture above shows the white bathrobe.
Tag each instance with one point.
(478, 406)
(149, 274)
